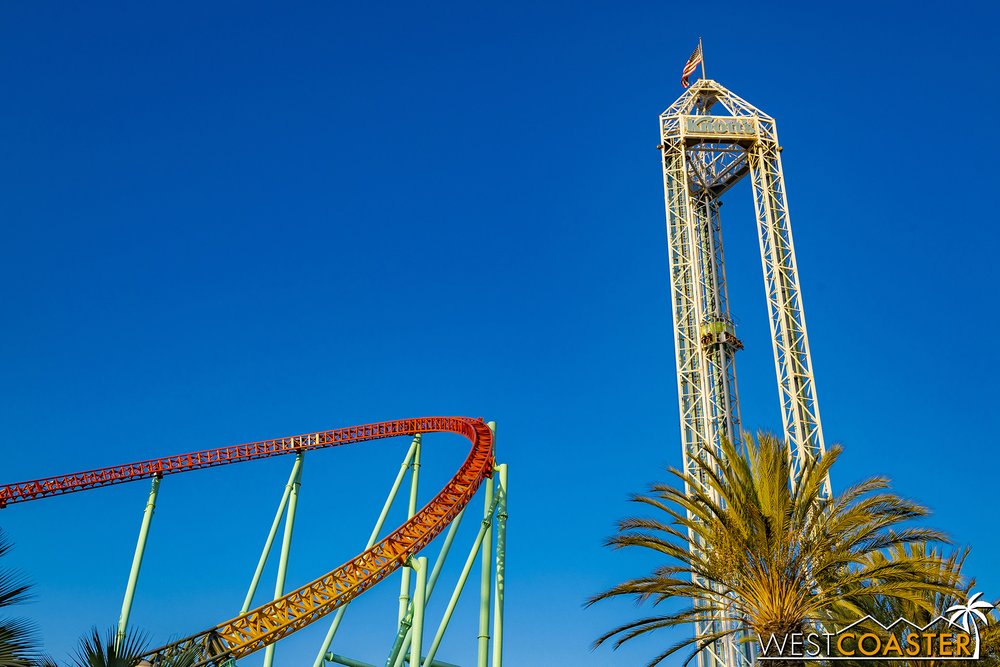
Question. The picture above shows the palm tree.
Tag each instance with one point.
(939, 604)
(765, 549)
(18, 643)
(97, 650)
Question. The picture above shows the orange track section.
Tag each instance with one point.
(268, 623)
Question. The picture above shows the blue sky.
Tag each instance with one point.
(230, 222)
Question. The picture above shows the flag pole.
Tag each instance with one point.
(702, 49)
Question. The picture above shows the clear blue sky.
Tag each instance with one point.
(229, 222)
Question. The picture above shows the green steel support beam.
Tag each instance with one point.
(485, 582)
(351, 662)
(335, 625)
(286, 547)
(296, 468)
(445, 548)
(404, 584)
(466, 570)
(435, 663)
(140, 551)
(398, 653)
(344, 660)
(419, 606)
(401, 644)
(500, 527)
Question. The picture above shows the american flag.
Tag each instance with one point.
(692, 65)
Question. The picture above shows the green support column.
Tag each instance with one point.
(500, 527)
(485, 583)
(294, 475)
(419, 604)
(455, 594)
(338, 617)
(404, 585)
(400, 646)
(286, 547)
(140, 550)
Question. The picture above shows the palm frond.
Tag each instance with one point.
(97, 650)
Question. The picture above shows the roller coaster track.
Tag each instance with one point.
(281, 617)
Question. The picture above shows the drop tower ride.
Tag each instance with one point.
(711, 139)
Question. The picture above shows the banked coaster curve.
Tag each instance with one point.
(257, 628)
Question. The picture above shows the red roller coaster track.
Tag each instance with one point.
(270, 622)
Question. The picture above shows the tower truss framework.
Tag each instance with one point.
(705, 153)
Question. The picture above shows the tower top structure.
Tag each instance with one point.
(718, 144)
(702, 95)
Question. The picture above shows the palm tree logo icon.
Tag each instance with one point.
(970, 609)
(961, 614)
